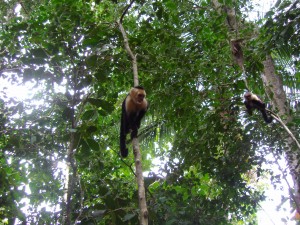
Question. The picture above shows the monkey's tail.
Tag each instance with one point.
(268, 119)
(123, 149)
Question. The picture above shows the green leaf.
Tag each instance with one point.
(154, 185)
(95, 101)
(92, 60)
(171, 5)
(107, 106)
(38, 53)
(102, 75)
(93, 144)
(171, 222)
(84, 147)
(88, 115)
(90, 42)
(91, 129)
(128, 217)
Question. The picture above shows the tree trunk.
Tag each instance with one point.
(69, 184)
(274, 87)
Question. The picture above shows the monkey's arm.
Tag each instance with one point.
(140, 117)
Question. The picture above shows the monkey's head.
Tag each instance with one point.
(138, 94)
(247, 96)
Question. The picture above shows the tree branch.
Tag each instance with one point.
(130, 53)
(293, 197)
(277, 118)
(126, 10)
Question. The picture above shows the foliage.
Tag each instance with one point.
(71, 57)
(283, 26)
(281, 34)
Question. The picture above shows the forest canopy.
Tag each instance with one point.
(203, 155)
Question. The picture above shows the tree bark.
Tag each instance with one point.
(71, 172)
(140, 182)
(136, 149)
(69, 184)
(274, 87)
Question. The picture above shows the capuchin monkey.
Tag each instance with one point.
(252, 101)
(134, 108)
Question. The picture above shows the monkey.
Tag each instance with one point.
(134, 107)
(252, 101)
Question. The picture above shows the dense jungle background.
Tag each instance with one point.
(204, 157)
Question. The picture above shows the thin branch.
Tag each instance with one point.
(126, 43)
(288, 184)
(23, 7)
(127, 47)
(276, 117)
(132, 56)
(126, 10)
(269, 217)
(4, 50)
(129, 166)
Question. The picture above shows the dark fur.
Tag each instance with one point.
(130, 122)
(252, 102)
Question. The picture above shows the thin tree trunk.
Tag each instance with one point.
(136, 149)
(69, 184)
(140, 182)
(71, 170)
(70, 177)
